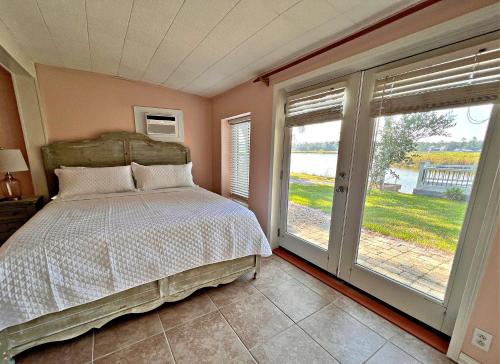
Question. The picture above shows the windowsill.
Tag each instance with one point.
(241, 202)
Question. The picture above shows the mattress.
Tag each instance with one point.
(81, 249)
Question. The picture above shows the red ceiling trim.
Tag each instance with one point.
(386, 21)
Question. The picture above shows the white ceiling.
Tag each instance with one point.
(199, 46)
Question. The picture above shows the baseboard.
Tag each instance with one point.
(465, 359)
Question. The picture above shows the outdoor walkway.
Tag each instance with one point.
(424, 269)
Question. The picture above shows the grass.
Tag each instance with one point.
(312, 178)
(427, 221)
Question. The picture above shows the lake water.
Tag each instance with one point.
(320, 164)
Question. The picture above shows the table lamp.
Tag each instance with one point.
(11, 160)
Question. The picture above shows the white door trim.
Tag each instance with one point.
(465, 359)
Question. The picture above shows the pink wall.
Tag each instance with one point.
(258, 101)
(257, 98)
(78, 104)
(11, 133)
(486, 314)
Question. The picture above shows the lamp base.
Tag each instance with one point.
(10, 187)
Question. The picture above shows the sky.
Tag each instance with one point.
(330, 131)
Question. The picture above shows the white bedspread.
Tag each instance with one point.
(79, 250)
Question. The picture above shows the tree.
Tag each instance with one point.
(399, 137)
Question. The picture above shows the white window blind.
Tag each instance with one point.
(315, 106)
(470, 80)
(240, 157)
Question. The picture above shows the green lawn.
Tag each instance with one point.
(428, 221)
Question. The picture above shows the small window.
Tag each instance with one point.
(240, 158)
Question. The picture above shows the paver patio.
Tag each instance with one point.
(424, 269)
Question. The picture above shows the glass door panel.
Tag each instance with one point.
(311, 180)
(316, 160)
(420, 180)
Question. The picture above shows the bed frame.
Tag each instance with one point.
(115, 149)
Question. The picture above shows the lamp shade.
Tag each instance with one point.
(11, 160)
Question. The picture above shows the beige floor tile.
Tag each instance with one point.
(294, 299)
(419, 350)
(316, 285)
(267, 260)
(153, 350)
(255, 319)
(74, 351)
(391, 354)
(125, 331)
(292, 346)
(173, 314)
(272, 277)
(275, 267)
(344, 337)
(226, 294)
(207, 339)
(372, 320)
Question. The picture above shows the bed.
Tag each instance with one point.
(83, 261)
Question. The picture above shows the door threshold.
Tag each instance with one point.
(428, 335)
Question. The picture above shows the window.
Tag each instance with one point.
(240, 157)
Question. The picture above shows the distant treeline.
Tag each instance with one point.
(316, 147)
(464, 145)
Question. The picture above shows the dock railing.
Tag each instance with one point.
(437, 178)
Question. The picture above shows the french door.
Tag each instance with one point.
(390, 195)
(318, 150)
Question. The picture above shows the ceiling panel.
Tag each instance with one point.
(368, 12)
(284, 29)
(149, 23)
(202, 47)
(346, 5)
(282, 54)
(107, 25)
(278, 6)
(310, 13)
(67, 23)
(184, 35)
(246, 18)
(326, 33)
(24, 21)
(265, 41)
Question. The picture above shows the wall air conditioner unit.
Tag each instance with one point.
(165, 125)
(162, 125)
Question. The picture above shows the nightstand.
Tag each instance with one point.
(13, 214)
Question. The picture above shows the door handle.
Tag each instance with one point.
(341, 189)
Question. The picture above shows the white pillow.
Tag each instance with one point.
(162, 176)
(86, 181)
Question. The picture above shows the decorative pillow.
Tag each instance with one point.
(162, 176)
(86, 181)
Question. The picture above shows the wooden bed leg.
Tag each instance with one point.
(4, 350)
(257, 266)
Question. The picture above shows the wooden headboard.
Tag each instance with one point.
(108, 150)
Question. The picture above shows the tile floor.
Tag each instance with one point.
(285, 316)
